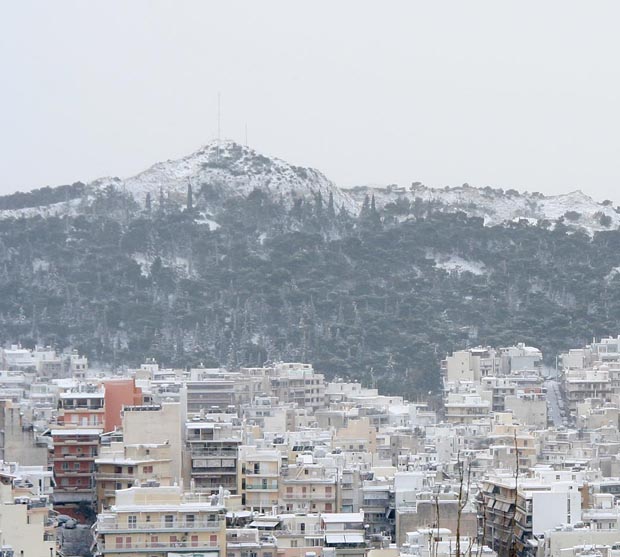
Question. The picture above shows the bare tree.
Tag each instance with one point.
(513, 520)
(463, 498)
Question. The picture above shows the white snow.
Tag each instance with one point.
(233, 169)
(458, 264)
(209, 222)
(227, 169)
(497, 207)
(615, 271)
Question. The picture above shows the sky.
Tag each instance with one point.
(512, 94)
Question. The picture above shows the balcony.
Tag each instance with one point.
(160, 547)
(123, 476)
(262, 474)
(104, 526)
(261, 487)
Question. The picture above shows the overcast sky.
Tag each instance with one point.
(509, 94)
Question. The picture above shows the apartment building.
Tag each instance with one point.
(299, 384)
(157, 424)
(27, 521)
(511, 511)
(161, 522)
(308, 487)
(212, 450)
(583, 384)
(260, 478)
(121, 466)
(466, 408)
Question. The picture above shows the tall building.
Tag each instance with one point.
(212, 450)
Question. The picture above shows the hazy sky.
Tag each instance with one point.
(517, 94)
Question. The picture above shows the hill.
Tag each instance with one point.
(380, 293)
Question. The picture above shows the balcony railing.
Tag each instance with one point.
(114, 476)
(111, 547)
(115, 526)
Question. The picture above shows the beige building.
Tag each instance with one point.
(466, 408)
(583, 384)
(308, 487)
(161, 522)
(121, 466)
(157, 424)
(357, 435)
(260, 478)
(298, 383)
(27, 523)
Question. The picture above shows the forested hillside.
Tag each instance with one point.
(373, 297)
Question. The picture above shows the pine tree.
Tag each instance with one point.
(148, 203)
(365, 206)
(331, 212)
(318, 208)
(190, 198)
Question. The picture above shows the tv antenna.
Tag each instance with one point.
(219, 123)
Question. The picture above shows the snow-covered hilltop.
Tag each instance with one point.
(229, 169)
(497, 206)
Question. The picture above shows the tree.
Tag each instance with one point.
(190, 197)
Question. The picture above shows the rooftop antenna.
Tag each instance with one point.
(219, 123)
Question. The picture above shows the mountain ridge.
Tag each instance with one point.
(220, 170)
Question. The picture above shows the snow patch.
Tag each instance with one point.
(460, 265)
(497, 207)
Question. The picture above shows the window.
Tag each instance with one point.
(194, 540)
(169, 520)
(147, 469)
(132, 521)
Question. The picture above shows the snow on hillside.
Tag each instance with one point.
(497, 206)
(458, 264)
(234, 169)
(221, 170)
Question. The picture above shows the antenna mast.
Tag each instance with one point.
(219, 124)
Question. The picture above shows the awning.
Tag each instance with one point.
(335, 538)
(344, 538)
(264, 523)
